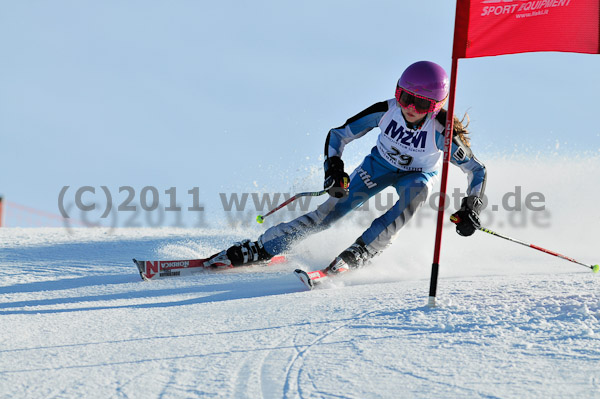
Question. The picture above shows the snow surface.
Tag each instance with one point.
(77, 321)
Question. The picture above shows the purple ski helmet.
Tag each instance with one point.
(425, 79)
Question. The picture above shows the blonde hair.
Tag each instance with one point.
(459, 127)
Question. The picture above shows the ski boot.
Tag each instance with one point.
(355, 256)
(240, 254)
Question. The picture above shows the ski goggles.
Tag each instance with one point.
(422, 105)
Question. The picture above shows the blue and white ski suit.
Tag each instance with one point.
(407, 159)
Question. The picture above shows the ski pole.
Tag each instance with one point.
(594, 268)
(261, 218)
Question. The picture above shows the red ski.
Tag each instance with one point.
(313, 279)
(155, 269)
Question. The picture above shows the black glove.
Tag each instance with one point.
(336, 180)
(467, 217)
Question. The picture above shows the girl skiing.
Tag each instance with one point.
(408, 156)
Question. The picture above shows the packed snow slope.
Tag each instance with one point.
(77, 321)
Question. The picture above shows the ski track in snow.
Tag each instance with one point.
(77, 321)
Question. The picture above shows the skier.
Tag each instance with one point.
(408, 156)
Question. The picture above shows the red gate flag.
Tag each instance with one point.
(495, 27)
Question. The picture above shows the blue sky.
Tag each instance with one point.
(235, 95)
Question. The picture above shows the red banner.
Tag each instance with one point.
(495, 27)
